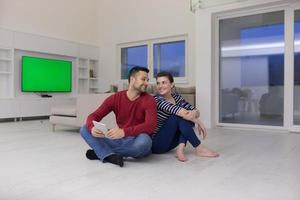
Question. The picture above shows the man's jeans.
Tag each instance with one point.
(138, 146)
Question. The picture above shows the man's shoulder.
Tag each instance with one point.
(119, 93)
(146, 95)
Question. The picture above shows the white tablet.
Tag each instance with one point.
(102, 127)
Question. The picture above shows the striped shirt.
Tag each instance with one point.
(165, 108)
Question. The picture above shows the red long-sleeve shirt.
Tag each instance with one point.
(134, 117)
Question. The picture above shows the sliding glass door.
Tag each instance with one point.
(251, 69)
(259, 69)
(296, 112)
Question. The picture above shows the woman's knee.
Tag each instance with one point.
(175, 118)
(186, 122)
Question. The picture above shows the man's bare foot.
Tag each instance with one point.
(205, 152)
(180, 153)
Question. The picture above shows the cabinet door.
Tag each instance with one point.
(35, 107)
(9, 108)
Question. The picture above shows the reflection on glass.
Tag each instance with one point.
(297, 69)
(132, 56)
(170, 57)
(251, 69)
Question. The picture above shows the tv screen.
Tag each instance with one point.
(46, 75)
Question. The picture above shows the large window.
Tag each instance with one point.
(170, 57)
(252, 69)
(132, 56)
(158, 55)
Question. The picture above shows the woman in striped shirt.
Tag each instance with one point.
(175, 121)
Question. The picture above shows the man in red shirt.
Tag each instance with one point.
(136, 117)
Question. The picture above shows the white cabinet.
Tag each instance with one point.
(41, 106)
(87, 76)
(34, 107)
(30, 107)
(6, 73)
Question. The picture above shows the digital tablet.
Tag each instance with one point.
(102, 127)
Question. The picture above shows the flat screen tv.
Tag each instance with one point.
(46, 75)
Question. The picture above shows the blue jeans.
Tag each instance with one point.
(138, 146)
(176, 130)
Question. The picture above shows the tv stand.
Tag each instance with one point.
(46, 95)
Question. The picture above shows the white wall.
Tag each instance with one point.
(73, 20)
(136, 20)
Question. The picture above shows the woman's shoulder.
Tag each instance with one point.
(159, 98)
(175, 95)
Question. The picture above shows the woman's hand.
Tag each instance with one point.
(182, 112)
(189, 115)
(201, 128)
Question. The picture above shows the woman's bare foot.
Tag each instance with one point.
(205, 152)
(180, 153)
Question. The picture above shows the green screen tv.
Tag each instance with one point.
(46, 75)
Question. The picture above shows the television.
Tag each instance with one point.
(46, 75)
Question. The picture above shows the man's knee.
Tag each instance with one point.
(142, 145)
(84, 131)
(143, 141)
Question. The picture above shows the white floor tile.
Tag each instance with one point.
(37, 163)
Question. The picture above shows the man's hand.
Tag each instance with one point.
(116, 133)
(97, 133)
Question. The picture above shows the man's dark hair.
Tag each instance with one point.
(135, 70)
(166, 74)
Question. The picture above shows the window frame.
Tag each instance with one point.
(150, 55)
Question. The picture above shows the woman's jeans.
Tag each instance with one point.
(176, 130)
(138, 146)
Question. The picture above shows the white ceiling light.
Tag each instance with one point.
(198, 4)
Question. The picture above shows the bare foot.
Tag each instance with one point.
(205, 152)
(180, 153)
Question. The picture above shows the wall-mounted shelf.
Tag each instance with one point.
(87, 81)
(13, 45)
(6, 71)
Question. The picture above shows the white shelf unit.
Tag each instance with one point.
(94, 76)
(82, 76)
(87, 73)
(13, 45)
(6, 73)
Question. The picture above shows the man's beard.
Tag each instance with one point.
(141, 88)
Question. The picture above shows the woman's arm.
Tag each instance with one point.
(201, 128)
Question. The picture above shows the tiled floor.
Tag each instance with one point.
(37, 164)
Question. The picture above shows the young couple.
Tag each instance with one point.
(145, 124)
